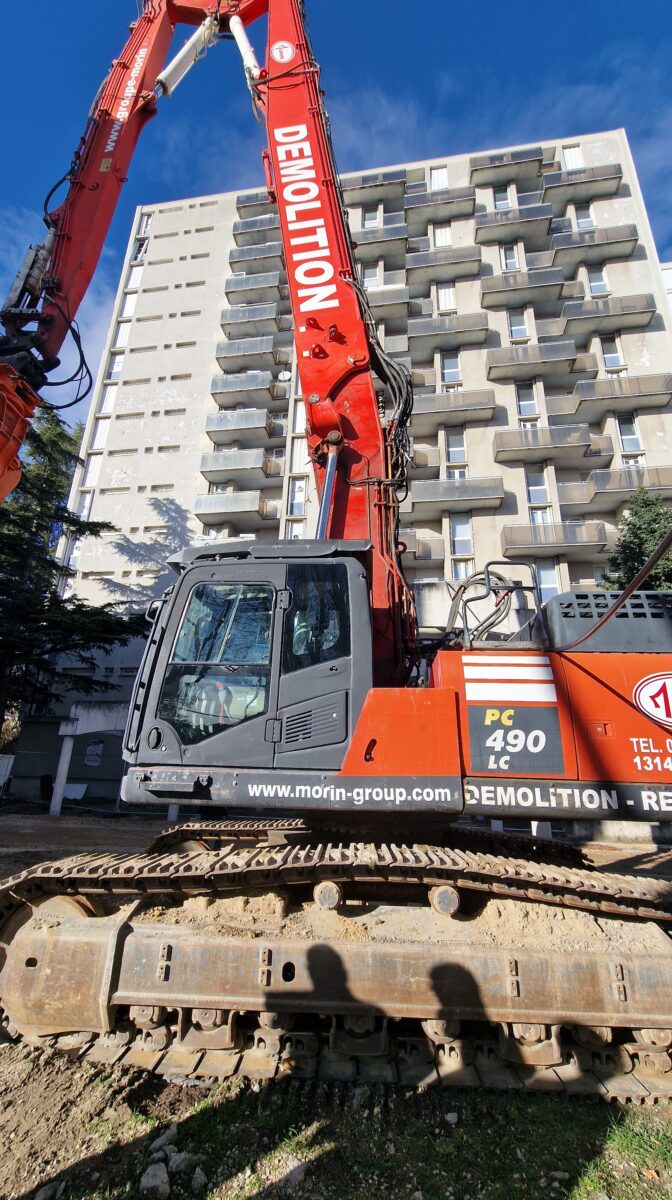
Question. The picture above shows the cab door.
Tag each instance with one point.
(214, 687)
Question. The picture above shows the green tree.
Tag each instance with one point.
(640, 530)
(44, 633)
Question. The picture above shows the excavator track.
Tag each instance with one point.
(351, 968)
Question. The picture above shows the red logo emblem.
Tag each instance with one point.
(653, 697)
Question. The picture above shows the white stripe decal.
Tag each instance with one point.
(522, 660)
(508, 692)
(473, 671)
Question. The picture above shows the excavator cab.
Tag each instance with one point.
(259, 657)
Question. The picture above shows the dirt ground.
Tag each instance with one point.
(76, 1131)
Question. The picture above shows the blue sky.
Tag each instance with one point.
(403, 81)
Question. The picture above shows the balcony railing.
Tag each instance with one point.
(442, 264)
(259, 352)
(433, 498)
(252, 231)
(264, 286)
(252, 204)
(427, 334)
(593, 245)
(248, 426)
(527, 362)
(256, 259)
(254, 318)
(538, 442)
(455, 407)
(592, 398)
(606, 490)
(500, 168)
(608, 315)
(247, 467)
(582, 185)
(532, 224)
(243, 511)
(522, 287)
(373, 185)
(576, 541)
(445, 204)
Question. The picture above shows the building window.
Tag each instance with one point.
(108, 398)
(370, 216)
(128, 304)
(370, 275)
(145, 224)
(517, 325)
(461, 546)
(451, 376)
(300, 461)
(99, 435)
(445, 297)
(299, 417)
(509, 257)
(296, 530)
(630, 442)
(456, 454)
(611, 354)
(526, 402)
(92, 470)
(537, 487)
(121, 333)
(443, 235)
(115, 366)
(438, 178)
(461, 542)
(297, 498)
(584, 216)
(597, 281)
(139, 253)
(573, 156)
(547, 578)
(134, 277)
(542, 515)
(502, 198)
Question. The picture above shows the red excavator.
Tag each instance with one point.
(337, 918)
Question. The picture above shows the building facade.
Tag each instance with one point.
(521, 286)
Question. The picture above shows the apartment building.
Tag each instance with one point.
(521, 286)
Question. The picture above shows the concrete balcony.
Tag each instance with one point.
(430, 412)
(606, 491)
(502, 168)
(247, 468)
(260, 353)
(427, 334)
(569, 250)
(374, 185)
(555, 362)
(581, 186)
(250, 289)
(530, 224)
(592, 399)
(254, 319)
(245, 512)
(443, 264)
(257, 260)
(386, 241)
(611, 314)
(253, 204)
(545, 541)
(390, 299)
(522, 287)
(445, 204)
(431, 499)
(422, 547)
(247, 427)
(425, 462)
(539, 443)
(254, 231)
(251, 388)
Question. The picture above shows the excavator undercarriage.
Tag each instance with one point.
(255, 948)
